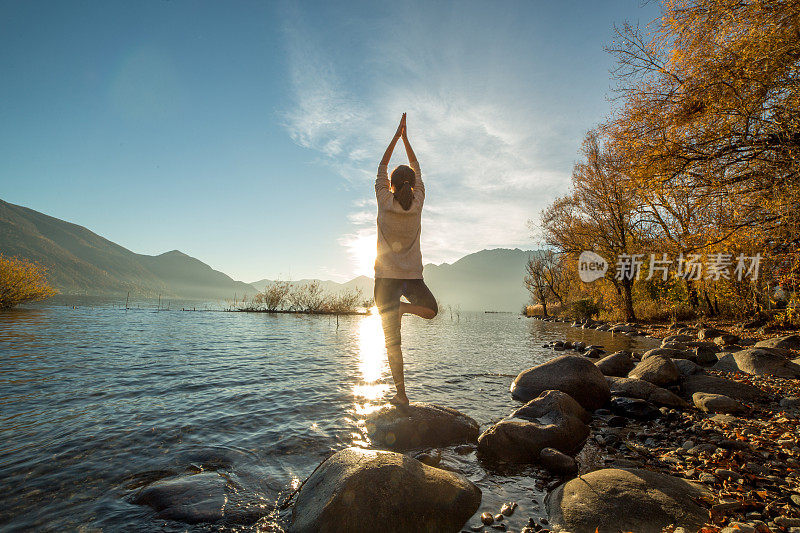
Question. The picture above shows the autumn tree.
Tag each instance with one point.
(22, 281)
(599, 214)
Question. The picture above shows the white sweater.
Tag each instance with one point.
(399, 254)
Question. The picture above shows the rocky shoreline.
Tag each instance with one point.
(697, 434)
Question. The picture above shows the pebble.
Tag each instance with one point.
(499, 527)
(795, 499)
(730, 475)
(707, 478)
(738, 527)
(508, 508)
(785, 521)
(487, 518)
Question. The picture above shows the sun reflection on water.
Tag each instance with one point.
(372, 364)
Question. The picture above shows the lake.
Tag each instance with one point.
(98, 401)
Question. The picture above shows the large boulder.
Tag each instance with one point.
(419, 424)
(371, 490)
(644, 390)
(553, 420)
(574, 375)
(716, 403)
(787, 342)
(715, 385)
(613, 500)
(759, 362)
(657, 369)
(616, 364)
(678, 338)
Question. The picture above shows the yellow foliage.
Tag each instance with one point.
(22, 281)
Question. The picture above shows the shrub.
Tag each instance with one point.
(585, 308)
(22, 281)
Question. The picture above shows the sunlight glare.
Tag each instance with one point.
(371, 364)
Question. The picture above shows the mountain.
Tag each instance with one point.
(489, 280)
(82, 262)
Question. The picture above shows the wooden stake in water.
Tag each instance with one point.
(126, 300)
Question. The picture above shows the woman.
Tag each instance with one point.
(398, 266)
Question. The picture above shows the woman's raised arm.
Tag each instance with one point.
(388, 154)
(412, 158)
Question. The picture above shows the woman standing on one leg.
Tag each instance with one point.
(398, 267)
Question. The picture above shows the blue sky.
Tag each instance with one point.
(247, 134)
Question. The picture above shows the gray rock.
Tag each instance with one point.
(668, 352)
(418, 425)
(686, 367)
(657, 370)
(715, 385)
(557, 462)
(553, 420)
(574, 375)
(759, 362)
(709, 333)
(791, 402)
(704, 355)
(614, 500)
(360, 490)
(644, 390)
(716, 403)
(616, 364)
(787, 342)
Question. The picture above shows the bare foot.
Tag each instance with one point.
(399, 400)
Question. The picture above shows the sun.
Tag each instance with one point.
(363, 250)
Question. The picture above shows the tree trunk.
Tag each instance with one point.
(627, 285)
(544, 307)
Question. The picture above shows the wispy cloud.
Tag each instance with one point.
(491, 158)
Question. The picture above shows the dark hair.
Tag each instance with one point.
(403, 179)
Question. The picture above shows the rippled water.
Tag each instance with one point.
(97, 401)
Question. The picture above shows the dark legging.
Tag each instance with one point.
(387, 297)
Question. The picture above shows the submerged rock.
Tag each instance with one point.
(613, 500)
(420, 424)
(553, 420)
(574, 375)
(371, 490)
(192, 499)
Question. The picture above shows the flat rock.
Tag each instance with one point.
(715, 385)
(371, 490)
(716, 403)
(787, 342)
(574, 375)
(617, 499)
(644, 390)
(759, 362)
(420, 424)
(656, 369)
(553, 420)
(616, 364)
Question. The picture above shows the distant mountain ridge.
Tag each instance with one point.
(489, 280)
(81, 262)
